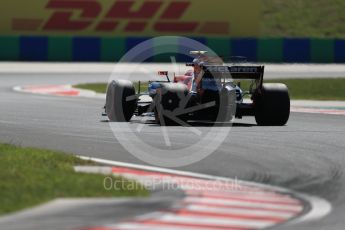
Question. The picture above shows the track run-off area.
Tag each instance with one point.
(284, 174)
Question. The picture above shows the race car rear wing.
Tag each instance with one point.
(240, 72)
(235, 72)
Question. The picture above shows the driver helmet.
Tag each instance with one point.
(200, 61)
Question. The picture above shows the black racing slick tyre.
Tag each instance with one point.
(170, 102)
(272, 105)
(121, 101)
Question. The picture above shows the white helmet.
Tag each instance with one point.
(199, 61)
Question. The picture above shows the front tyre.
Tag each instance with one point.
(272, 105)
(121, 101)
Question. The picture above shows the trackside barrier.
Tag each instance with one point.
(110, 49)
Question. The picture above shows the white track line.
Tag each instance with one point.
(215, 221)
(249, 196)
(248, 204)
(143, 226)
(239, 211)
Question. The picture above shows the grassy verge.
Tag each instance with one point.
(303, 18)
(309, 89)
(97, 87)
(31, 176)
(316, 89)
(102, 87)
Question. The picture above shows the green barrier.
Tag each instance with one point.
(9, 48)
(270, 50)
(221, 46)
(60, 49)
(112, 49)
(322, 50)
(274, 50)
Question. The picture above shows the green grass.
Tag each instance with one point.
(102, 87)
(97, 87)
(303, 18)
(310, 89)
(31, 176)
(316, 89)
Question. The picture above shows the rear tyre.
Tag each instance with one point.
(168, 104)
(121, 101)
(272, 105)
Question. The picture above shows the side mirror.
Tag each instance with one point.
(164, 73)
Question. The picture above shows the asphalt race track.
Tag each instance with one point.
(307, 155)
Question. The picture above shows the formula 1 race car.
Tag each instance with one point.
(206, 93)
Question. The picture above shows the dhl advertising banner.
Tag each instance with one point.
(218, 18)
(105, 30)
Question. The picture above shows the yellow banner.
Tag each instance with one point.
(228, 18)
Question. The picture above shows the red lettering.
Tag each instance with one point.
(124, 9)
(172, 13)
(175, 10)
(62, 20)
(78, 15)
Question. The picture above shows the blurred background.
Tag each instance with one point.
(69, 47)
(275, 31)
